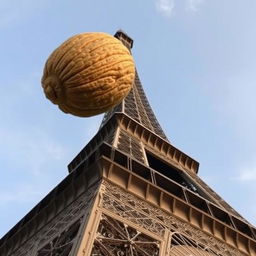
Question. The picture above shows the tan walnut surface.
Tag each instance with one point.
(88, 74)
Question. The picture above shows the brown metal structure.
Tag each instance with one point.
(131, 192)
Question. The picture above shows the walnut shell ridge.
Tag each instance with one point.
(88, 74)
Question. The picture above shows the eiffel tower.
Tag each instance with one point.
(131, 192)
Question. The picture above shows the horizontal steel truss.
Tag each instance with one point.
(181, 207)
(124, 224)
(174, 155)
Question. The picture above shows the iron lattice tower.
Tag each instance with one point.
(131, 192)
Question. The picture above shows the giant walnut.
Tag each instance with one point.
(88, 74)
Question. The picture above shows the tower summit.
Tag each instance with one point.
(131, 192)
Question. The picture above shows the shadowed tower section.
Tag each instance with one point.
(130, 192)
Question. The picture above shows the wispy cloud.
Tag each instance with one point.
(193, 5)
(247, 174)
(165, 7)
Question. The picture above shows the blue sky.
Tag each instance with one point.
(196, 60)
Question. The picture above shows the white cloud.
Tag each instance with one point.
(247, 174)
(193, 5)
(165, 7)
